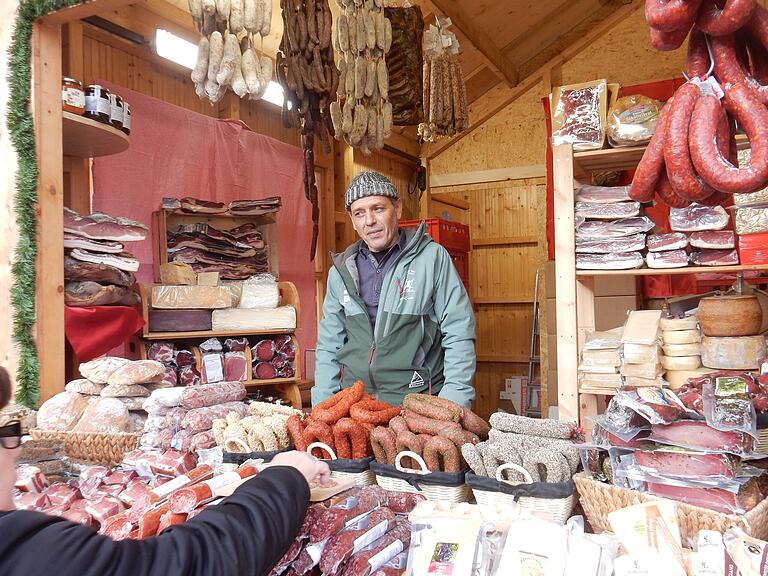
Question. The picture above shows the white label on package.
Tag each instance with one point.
(315, 551)
(214, 368)
(165, 489)
(370, 537)
(223, 480)
(385, 555)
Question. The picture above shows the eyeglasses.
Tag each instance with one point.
(10, 434)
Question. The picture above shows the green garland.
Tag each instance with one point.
(22, 130)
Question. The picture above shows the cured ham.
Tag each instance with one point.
(100, 226)
(123, 261)
(108, 246)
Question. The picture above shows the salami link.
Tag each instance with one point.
(473, 423)
(441, 455)
(728, 69)
(759, 58)
(684, 179)
(202, 472)
(317, 431)
(170, 519)
(373, 412)
(403, 502)
(667, 194)
(210, 394)
(381, 551)
(296, 430)
(721, 21)
(714, 167)
(668, 15)
(668, 41)
(423, 425)
(150, 520)
(383, 444)
(651, 166)
(698, 56)
(118, 527)
(460, 437)
(433, 407)
(338, 405)
(398, 425)
(409, 441)
(341, 546)
(184, 500)
(357, 503)
(351, 439)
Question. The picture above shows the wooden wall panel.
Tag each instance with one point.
(503, 274)
(488, 378)
(503, 332)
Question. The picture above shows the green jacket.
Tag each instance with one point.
(425, 328)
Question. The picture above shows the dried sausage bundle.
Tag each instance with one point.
(226, 56)
(446, 111)
(361, 113)
(692, 156)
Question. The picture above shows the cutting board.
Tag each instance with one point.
(316, 494)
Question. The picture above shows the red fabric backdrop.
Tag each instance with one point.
(176, 152)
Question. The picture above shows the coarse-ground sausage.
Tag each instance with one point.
(698, 56)
(667, 194)
(747, 110)
(668, 41)
(423, 425)
(651, 166)
(331, 520)
(381, 551)
(473, 423)
(409, 441)
(440, 454)
(720, 21)
(677, 157)
(668, 15)
(729, 70)
(383, 444)
(433, 407)
(758, 56)
(350, 540)
(403, 502)
(398, 424)
(459, 437)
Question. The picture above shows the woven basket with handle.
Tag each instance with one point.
(599, 500)
(104, 449)
(459, 493)
(365, 478)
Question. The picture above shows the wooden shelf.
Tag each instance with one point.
(225, 218)
(210, 334)
(87, 138)
(272, 381)
(671, 271)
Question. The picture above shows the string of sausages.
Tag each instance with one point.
(308, 75)
(692, 156)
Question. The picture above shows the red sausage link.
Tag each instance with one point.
(729, 70)
(751, 115)
(296, 430)
(412, 442)
(698, 56)
(721, 21)
(667, 15)
(338, 405)
(684, 179)
(373, 412)
(667, 194)
(475, 424)
(668, 41)
(651, 166)
(317, 431)
(726, 144)
(341, 440)
(383, 444)
(398, 424)
(354, 435)
(440, 454)
(758, 56)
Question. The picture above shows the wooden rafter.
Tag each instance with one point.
(532, 72)
(490, 53)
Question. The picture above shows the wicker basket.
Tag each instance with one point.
(418, 482)
(559, 509)
(105, 449)
(599, 500)
(362, 478)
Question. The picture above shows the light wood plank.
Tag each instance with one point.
(451, 201)
(505, 241)
(496, 175)
(84, 10)
(502, 300)
(502, 358)
(46, 109)
(672, 271)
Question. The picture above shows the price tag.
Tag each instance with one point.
(709, 87)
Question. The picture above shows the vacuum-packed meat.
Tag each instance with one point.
(697, 218)
(607, 211)
(618, 229)
(714, 240)
(697, 435)
(615, 261)
(715, 258)
(667, 259)
(670, 241)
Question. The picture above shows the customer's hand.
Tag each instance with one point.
(315, 471)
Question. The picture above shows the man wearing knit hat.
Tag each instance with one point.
(396, 314)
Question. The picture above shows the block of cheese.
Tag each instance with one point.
(640, 353)
(208, 279)
(601, 357)
(599, 369)
(638, 382)
(177, 273)
(681, 362)
(687, 323)
(732, 353)
(642, 327)
(194, 297)
(647, 370)
(682, 349)
(681, 336)
(254, 319)
(676, 378)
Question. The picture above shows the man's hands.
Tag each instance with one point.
(314, 471)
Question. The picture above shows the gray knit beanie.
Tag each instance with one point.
(369, 184)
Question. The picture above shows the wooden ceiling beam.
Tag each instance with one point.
(500, 96)
(80, 11)
(490, 53)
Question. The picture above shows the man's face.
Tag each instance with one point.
(375, 220)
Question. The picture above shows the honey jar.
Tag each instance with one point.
(116, 111)
(126, 118)
(72, 96)
(97, 103)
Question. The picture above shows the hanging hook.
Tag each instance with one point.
(711, 56)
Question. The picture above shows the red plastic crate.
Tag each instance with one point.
(451, 235)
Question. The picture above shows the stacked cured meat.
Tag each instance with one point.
(711, 243)
(274, 358)
(692, 156)
(97, 269)
(600, 361)
(235, 254)
(182, 418)
(610, 230)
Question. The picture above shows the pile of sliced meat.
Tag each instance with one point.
(97, 269)
(249, 207)
(235, 254)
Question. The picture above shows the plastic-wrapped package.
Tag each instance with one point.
(667, 259)
(259, 291)
(715, 258)
(753, 248)
(716, 499)
(264, 371)
(254, 319)
(578, 115)
(633, 243)
(697, 435)
(105, 415)
(751, 220)
(748, 553)
(749, 198)
(210, 394)
(165, 397)
(728, 406)
(670, 241)
(713, 239)
(632, 120)
(181, 440)
(201, 419)
(598, 230)
(616, 261)
(162, 352)
(235, 344)
(607, 211)
(213, 368)
(264, 350)
(656, 405)
(688, 463)
(62, 411)
(189, 376)
(184, 358)
(235, 366)
(191, 297)
(602, 194)
(174, 417)
(696, 218)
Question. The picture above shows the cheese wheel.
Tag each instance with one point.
(730, 316)
(682, 349)
(734, 353)
(676, 378)
(681, 336)
(681, 362)
(687, 323)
